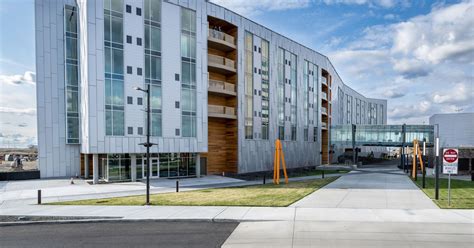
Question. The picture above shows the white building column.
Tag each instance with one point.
(198, 165)
(95, 169)
(133, 160)
(86, 166)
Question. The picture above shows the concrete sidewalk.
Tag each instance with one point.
(374, 188)
(218, 213)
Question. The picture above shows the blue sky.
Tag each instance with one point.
(417, 54)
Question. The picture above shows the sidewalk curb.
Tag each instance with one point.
(111, 219)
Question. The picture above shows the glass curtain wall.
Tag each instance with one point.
(114, 85)
(294, 100)
(153, 62)
(188, 72)
(248, 85)
(281, 94)
(177, 164)
(265, 89)
(118, 166)
(71, 74)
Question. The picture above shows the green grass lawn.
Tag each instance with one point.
(268, 195)
(462, 192)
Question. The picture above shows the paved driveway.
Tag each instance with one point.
(384, 187)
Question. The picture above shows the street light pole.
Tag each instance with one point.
(148, 169)
(148, 144)
(436, 163)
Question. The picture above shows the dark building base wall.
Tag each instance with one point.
(19, 175)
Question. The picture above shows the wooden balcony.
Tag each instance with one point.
(221, 112)
(324, 111)
(220, 41)
(222, 88)
(324, 125)
(220, 64)
(324, 96)
(324, 81)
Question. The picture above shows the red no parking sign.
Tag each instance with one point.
(450, 161)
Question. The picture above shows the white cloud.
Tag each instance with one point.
(253, 7)
(371, 3)
(18, 111)
(16, 140)
(423, 65)
(411, 68)
(28, 77)
(447, 33)
(458, 93)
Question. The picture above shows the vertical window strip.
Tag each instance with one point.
(265, 89)
(152, 25)
(114, 68)
(294, 99)
(71, 74)
(188, 72)
(281, 93)
(248, 85)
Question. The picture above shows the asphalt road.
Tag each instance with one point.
(117, 234)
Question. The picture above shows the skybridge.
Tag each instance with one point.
(381, 135)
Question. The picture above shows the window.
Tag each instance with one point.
(176, 104)
(140, 130)
(130, 130)
(265, 92)
(129, 39)
(129, 70)
(139, 11)
(315, 134)
(306, 134)
(176, 77)
(249, 88)
(139, 101)
(114, 85)
(71, 77)
(188, 72)
(176, 131)
(128, 8)
(139, 71)
(152, 40)
(139, 41)
(129, 100)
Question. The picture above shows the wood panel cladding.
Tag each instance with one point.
(222, 155)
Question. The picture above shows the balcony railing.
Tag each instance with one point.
(324, 110)
(324, 96)
(221, 62)
(324, 81)
(221, 111)
(222, 87)
(222, 36)
(324, 125)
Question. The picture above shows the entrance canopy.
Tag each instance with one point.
(381, 135)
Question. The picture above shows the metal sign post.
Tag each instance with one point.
(449, 189)
(437, 169)
(450, 166)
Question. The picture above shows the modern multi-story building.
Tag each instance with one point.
(223, 89)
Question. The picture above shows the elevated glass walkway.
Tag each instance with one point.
(381, 135)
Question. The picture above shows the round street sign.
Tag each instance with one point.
(450, 155)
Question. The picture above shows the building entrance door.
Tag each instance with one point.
(155, 167)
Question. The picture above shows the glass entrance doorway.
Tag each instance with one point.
(155, 167)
